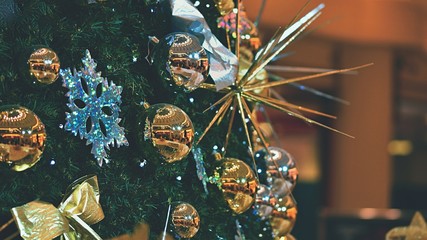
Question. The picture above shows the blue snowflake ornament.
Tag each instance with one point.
(94, 106)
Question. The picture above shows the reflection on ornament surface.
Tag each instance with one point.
(186, 220)
(284, 216)
(22, 137)
(238, 184)
(44, 65)
(170, 131)
(187, 62)
(280, 163)
(264, 201)
(249, 36)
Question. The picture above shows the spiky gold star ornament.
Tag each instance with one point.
(243, 90)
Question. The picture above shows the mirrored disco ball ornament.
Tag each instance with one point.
(185, 220)
(44, 65)
(180, 58)
(238, 184)
(22, 137)
(168, 131)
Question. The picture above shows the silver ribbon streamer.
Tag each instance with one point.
(223, 63)
(201, 171)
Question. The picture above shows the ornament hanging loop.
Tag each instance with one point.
(151, 40)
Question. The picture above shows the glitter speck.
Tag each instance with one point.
(143, 163)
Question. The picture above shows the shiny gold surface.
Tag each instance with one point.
(238, 184)
(284, 216)
(170, 131)
(80, 207)
(224, 6)
(186, 220)
(33, 218)
(188, 61)
(22, 137)
(44, 65)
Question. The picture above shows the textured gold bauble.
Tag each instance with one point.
(169, 130)
(186, 220)
(22, 137)
(238, 184)
(284, 216)
(44, 65)
(181, 58)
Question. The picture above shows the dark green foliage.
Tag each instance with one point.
(115, 32)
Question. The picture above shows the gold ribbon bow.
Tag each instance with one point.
(79, 209)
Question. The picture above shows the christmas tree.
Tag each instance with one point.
(76, 80)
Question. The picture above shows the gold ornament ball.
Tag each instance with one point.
(180, 58)
(169, 130)
(22, 137)
(224, 6)
(284, 216)
(238, 184)
(44, 65)
(185, 220)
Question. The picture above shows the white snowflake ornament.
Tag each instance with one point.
(94, 106)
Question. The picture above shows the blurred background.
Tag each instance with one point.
(351, 189)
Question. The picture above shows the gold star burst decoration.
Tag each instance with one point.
(245, 88)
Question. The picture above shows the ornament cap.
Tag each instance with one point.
(145, 104)
(154, 39)
(217, 156)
